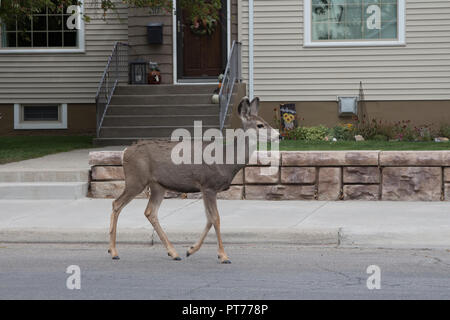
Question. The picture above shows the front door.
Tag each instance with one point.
(201, 56)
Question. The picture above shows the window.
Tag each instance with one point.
(40, 116)
(46, 29)
(354, 22)
(40, 113)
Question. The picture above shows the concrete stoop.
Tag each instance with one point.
(44, 185)
(139, 112)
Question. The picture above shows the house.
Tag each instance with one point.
(307, 52)
(49, 76)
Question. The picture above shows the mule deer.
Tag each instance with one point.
(148, 165)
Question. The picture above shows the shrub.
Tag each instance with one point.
(343, 132)
(400, 131)
(317, 133)
(403, 131)
(425, 134)
(372, 128)
(444, 131)
(380, 137)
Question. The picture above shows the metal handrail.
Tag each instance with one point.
(231, 76)
(116, 67)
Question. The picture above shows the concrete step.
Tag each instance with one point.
(161, 100)
(146, 131)
(44, 176)
(184, 110)
(43, 190)
(165, 89)
(160, 120)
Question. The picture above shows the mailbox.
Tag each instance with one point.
(155, 33)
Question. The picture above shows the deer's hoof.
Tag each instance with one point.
(109, 250)
(116, 258)
(187, 254)
(177, 258)
(226, 262)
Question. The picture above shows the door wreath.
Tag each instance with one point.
(203, 15)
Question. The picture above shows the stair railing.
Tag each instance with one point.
(116, 68)
(231, 76)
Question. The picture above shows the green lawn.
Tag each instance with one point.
(19, 148)
(293, 145)
(27, 147)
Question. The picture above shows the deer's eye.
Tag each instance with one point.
(260, 126)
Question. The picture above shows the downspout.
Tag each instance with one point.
(251, 49)
(228, 27)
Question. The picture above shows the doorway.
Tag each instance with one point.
(201, 57)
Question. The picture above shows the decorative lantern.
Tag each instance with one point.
(138, 72)
(154, 75)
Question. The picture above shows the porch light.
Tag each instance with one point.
(138, 72)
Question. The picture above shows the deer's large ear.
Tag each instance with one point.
(254, 106)
(244, 108)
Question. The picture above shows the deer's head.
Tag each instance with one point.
(248, 112)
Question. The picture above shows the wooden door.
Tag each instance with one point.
(202, 55)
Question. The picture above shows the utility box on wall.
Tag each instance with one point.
(155, 33)
(348, 106)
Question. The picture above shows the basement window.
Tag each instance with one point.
(40, 116)
(40, 113)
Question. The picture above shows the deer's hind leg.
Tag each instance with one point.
(199, 243)
(128, 194)
(151, 212)
(210, 200)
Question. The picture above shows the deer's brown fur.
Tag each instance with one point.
(148, 165)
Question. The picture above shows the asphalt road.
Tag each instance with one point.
(38, 271)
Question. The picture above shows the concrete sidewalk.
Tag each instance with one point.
(363, 224)
(72, 160)
(63, 175)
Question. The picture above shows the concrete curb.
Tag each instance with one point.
(298, 236)
(434, 239)
(328, 237)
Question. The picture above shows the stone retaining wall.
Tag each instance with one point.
(314, 175)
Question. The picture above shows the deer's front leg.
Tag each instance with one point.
(118, 205)
(210, 200)
(151, 212)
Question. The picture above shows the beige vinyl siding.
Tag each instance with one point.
(138, 19)
(286, 71)
(63, 77)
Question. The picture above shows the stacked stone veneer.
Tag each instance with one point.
(314, 175)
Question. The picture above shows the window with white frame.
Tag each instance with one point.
(354, 22)
(40, 116)
(55, 27)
